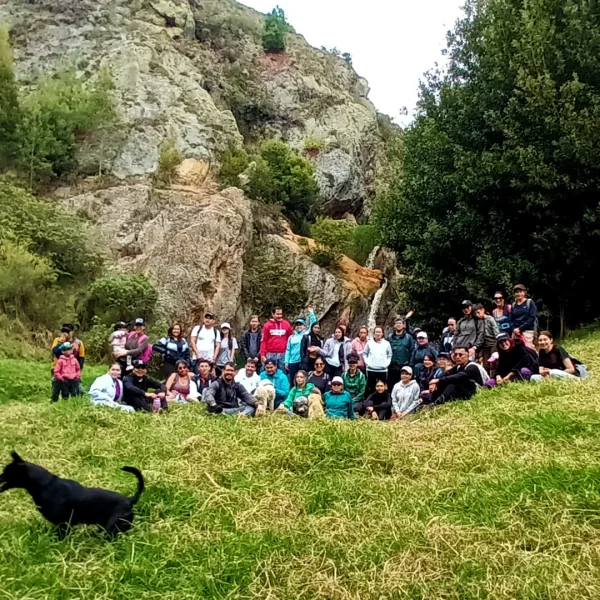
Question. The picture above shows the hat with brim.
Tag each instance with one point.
(407, 370)
(466, 303)
(519, 288)
(225, 326)
(338, 380)
(299, 322)
(66, 346)
(209, 316)
(501, 337)
(139, 322)
(139, 364)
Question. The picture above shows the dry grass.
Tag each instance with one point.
(495, 498)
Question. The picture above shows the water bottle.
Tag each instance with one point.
(156, 405)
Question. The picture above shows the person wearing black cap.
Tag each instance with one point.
(205, 341)
(402, 344)
(137, 386)
(516, 362)
(523, 318)
(469, 331)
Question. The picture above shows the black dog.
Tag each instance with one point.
(65, 503)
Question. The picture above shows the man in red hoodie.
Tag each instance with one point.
(275, 334)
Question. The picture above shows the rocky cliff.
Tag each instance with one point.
(195, 72)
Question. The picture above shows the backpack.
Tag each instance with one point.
(482, 373)
(535, 324)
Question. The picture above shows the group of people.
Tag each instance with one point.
(291, 368)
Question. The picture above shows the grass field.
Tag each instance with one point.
(495, 498)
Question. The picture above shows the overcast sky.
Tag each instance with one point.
(392, 42)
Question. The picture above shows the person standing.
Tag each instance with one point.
(227, 348)
(469, 332)
(311, 343)
(172, 348)
(490, 331)
(67, 372)
(448, 335)
(118, 338)
(402, 344)
(406, 395)
(248, 377)
(293, 351)
(137, 347)
(378, 356)
(205, 341)
(501, 313)
(251, 339)
(523, 318)
(422, 349)
(275, 334)
(335, 351)
(338, 402)
(358, 346)
(355, 382)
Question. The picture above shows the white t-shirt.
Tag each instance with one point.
(207, 339)
(250, 383)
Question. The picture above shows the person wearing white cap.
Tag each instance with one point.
(406, 395)
(422, 349)
(338, 402)
(227, 349)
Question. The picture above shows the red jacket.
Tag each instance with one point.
(275, 335)
(67, 367)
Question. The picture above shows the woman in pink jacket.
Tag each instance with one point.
(67, 372)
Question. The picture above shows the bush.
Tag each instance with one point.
(234, 162)
(271, 279)
(363, 241)
(332, 238)
(314, 144)
(275, 31)
(118, 297)
(170, 158)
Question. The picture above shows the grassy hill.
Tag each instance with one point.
(495, 498)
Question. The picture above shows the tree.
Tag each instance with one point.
(10, 113)
(501, 172)
(275, 31)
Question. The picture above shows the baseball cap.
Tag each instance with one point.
(519, 287)
(66, 346)
(422, 335)
(399, 320)
(67, 328)
(270, 361)
(444, 355)
(121, 324)
(467, 303)
(225, 325)
(337, 380)
(502, 336)
(299, 322)
(139, 364)
(353, 359)
(407, 370)
(209, 315)
(139, 321)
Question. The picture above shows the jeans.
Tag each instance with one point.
(247, 411)
(278, 359)
(554, 373)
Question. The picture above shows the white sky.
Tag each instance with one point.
(392, 42)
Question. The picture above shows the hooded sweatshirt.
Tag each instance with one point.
(275, 335)
(67, 368)
(281, 384)
(293, 354)
(378, 355)
(339, 406)
(296, 393)
(336, 352)
(469, 332)
(405, 397)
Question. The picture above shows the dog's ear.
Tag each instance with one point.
(16, 458)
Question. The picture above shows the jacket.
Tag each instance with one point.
(418, 355)
(344, 349)
(67, 368)
(339, 406)
(402, 347)
(448, 338)
(138, 347)
(307, 342)
(104, 390)
(135, 389)
(490, 331)
(275, 335)
(378, 355)
(172, 350)
(468, 377)
(281, 384)
(293, 351)
(524, 316)
(251, 341)
(379, 401)
(469, 333)
(356, 385)
(227, 395)
(203, 384)
(358, 348)
(296, 393)
(516, 358)
(78, 350)
(405, 398)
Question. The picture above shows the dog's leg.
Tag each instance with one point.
(119, 524)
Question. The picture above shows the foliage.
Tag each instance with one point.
(280, 176)
(271, 279)
(346, 56)
(314, 143)
(234, 162)
(364, 239)
(95, 338)
(333, 238)
(10, 112)
(502, 166)
(51, 232)
(170, 158)
(275, 31)
(467, 491)
(118, 298)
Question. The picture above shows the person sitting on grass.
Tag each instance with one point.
(319, 377)
(248, 377)
(405, 395)
(355, 383)
(378, 406)
(297, 401)
(181, 386)
(429, 372)
(107, 390)
(554, 360)
(460, 382)
(279, 380)
(338, 402)
(137, 386)
(67, 372)
(516, 362)
(225, 396)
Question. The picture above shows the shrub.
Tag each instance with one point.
(332, 237)
(118, 297)
(271, 279)
(364, 239)
(275, 31)
(170, 158)
(234, 162)
(314, 144)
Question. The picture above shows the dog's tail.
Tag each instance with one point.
(140, 479)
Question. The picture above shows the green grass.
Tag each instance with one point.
(495, 498)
